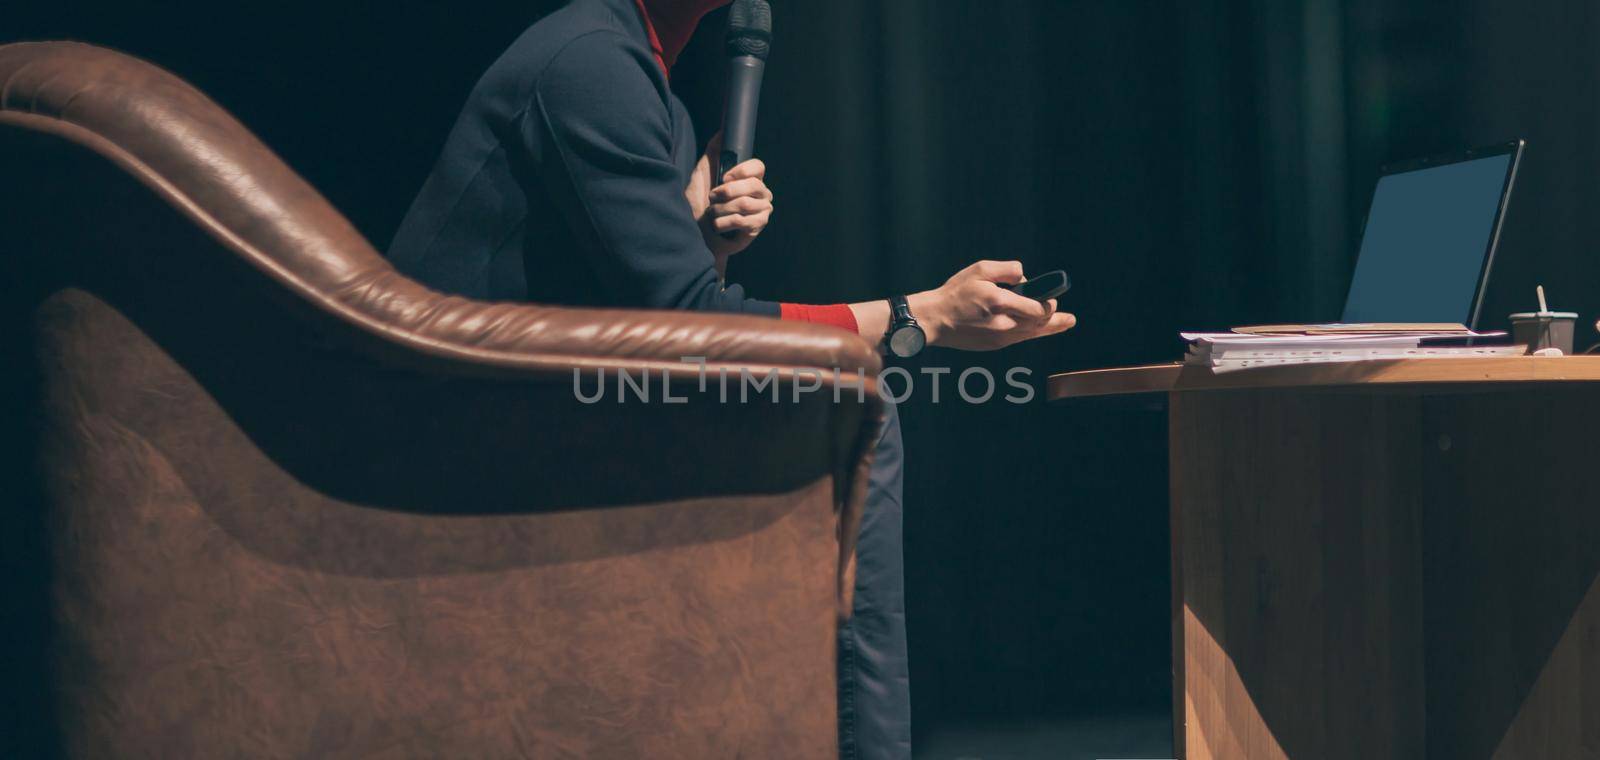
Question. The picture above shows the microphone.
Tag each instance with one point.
(749, 41)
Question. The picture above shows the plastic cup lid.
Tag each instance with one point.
(1545, 315)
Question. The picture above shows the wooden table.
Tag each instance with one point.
(1388, 559)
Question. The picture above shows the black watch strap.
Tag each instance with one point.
(904, 338)
(900, 313)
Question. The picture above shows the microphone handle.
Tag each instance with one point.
(739, 120)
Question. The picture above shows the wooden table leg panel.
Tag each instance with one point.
(1387, 575)
(1296, 543)
(1512, 547)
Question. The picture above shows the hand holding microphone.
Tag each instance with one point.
(732, 209)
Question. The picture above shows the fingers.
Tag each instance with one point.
(743, 188)
(1058, 323)
(748, 215)
(1010, 331)
(1002, 324)
(1021, 307)
(1005, 272)
(745, 205)
(749, 224)
(752, 169)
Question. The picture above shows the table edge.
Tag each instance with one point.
(1174, 377)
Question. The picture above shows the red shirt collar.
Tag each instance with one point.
(655, 39)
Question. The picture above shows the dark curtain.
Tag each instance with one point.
(1192, 164)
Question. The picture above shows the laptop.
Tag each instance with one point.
(1429, 240)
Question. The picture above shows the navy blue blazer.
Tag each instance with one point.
(563, 179)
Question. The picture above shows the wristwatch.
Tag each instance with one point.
(905, 338)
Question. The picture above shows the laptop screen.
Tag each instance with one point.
(1427, 238)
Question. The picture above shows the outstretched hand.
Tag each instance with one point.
(972, 312)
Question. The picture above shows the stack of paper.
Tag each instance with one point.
(1360, 328)
(1232, 351)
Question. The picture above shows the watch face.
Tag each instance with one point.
(907, 342)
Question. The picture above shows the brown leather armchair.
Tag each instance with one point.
(292, 504)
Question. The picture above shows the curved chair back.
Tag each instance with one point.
(282, 501)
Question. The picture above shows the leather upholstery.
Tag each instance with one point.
(294, 504)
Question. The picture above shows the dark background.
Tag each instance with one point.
(1192, 164)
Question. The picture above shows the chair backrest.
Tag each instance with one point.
(282, 501)
(210, 168)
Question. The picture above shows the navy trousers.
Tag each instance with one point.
(874, 680)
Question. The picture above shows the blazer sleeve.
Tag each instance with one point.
(599, 123)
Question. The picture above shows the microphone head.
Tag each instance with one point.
(750, 28)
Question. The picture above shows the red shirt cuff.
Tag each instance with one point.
(839, 315)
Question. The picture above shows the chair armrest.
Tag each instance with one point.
(545, 340)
